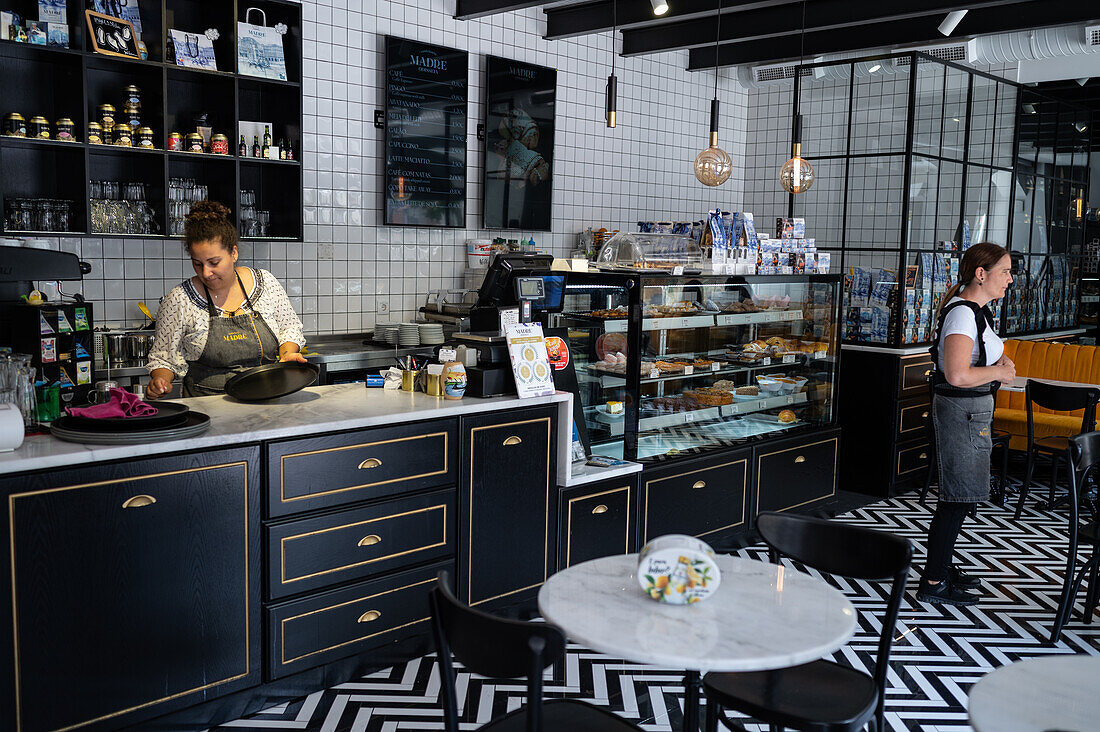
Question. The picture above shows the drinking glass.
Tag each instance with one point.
(95, 189)
(8, 374)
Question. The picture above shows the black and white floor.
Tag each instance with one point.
(939, 651)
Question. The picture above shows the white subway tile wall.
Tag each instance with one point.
(351, 268)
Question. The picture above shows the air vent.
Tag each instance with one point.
(962, 53)
(773, 73)
(1092, 35)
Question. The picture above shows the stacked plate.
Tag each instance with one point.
(386, 333)
(408, 334)
(171, 422)
(431, 334)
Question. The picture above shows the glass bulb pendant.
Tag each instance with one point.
(797, 175)
(713, 165)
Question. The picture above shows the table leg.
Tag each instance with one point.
(692, 686)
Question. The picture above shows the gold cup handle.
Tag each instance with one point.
(139, 501)
(699, 484)
(369, 616)
(370, 540)
(513, 440)
(370, 463)
(599, 509)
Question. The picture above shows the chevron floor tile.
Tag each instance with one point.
(939, 651)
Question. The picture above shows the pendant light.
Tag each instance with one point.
(797, 175)
(610, 111)
(713, 165)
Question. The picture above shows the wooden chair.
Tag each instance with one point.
(1059, 399)
(502, 648)
(1084, 453)
(822, 696)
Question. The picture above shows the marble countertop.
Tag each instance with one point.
(581, 474)
(1048, 693)
(309, 412)
(762, 616)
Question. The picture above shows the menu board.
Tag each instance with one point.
(426, 98)
(519, 148)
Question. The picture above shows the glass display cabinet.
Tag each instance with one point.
(677, 365)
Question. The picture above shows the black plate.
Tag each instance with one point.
(169, 414)
(272, 381)
(194, 424)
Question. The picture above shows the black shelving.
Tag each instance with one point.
(73, 82)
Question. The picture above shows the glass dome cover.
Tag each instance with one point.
(632, 250)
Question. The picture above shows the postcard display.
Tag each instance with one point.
(426, 105)
(519, 147)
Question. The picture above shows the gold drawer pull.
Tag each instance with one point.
(370, 540)
(924, 415)
(700, 484)
(513, 440)
(923, 456)
(139, 501)
(800, 459)
(370, 463)
(600, 509)
(369, 616)
(927, 373)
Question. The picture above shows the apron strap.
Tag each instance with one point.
(210, 301)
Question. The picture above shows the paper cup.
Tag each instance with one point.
(678, 569)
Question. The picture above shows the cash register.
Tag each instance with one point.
(518, 288)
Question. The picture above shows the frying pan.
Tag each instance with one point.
(272, 381)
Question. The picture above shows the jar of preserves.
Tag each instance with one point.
(107, 115)
(39, 128)
(65, 129)
(123, 136)
(195, 143)
(219, 145)
(131, 116)
(133, 96)
(15, 125)
(175, 141)
(95, 133)
(145, 137)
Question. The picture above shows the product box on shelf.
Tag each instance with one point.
(9, 21)
(57, 34)
(52, 11)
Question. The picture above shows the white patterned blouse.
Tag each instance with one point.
(183, 321)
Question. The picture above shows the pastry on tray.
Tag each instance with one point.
(751, 390)
(787, 417)
(724, 384)
(710, 397)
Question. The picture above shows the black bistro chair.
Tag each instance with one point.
(1059, 399)
(501, 648)
(1000, 438)
(822, 695)
(1084, 453)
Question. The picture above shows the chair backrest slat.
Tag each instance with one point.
(1058, 398)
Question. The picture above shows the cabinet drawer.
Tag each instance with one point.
(318, 552)
(915, 373)
(598, 523)
(332, 625)
(912, 458)
(697, 502)
(796, 475)
(914, 419)
(338, 469)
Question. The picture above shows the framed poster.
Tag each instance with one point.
(426, 106)
(518, 188)
(112, 36)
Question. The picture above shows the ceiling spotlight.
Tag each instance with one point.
(951, 22)
(1080, 126)
(660, 7)
(1082, 82)
(874, 68)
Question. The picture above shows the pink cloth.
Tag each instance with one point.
(122, 404)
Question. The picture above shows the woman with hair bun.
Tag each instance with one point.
(224, 320)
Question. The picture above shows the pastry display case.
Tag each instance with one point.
(661, 252)
(671, 365)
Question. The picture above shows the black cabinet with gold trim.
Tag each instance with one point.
(598, 520)
(798, 473)
(507, 506)
(707, 498)
(136, 589)
(884, 414)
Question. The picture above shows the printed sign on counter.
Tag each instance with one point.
(530, 364)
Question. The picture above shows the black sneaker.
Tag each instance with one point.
(944, 593)
(962, 580)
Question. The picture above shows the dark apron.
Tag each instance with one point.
(233, 345)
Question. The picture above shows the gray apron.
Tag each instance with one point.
(233, 345)
(964, 441)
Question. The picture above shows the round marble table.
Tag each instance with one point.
(1048, 693)
(763, 616)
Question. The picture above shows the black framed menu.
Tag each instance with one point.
(518, 186)
(426, 98)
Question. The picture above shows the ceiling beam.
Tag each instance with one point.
(912, 32)
(772, 22)
(596, 16)
(470, 9)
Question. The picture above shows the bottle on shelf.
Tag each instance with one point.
(265, 153)
(267, 136)
(289, 151)
(255, 146)
(282, 149)
(243, 150)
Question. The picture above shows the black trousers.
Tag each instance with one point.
(942, 533)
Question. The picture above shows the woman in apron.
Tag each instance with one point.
(224, 320)
(970, 364)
